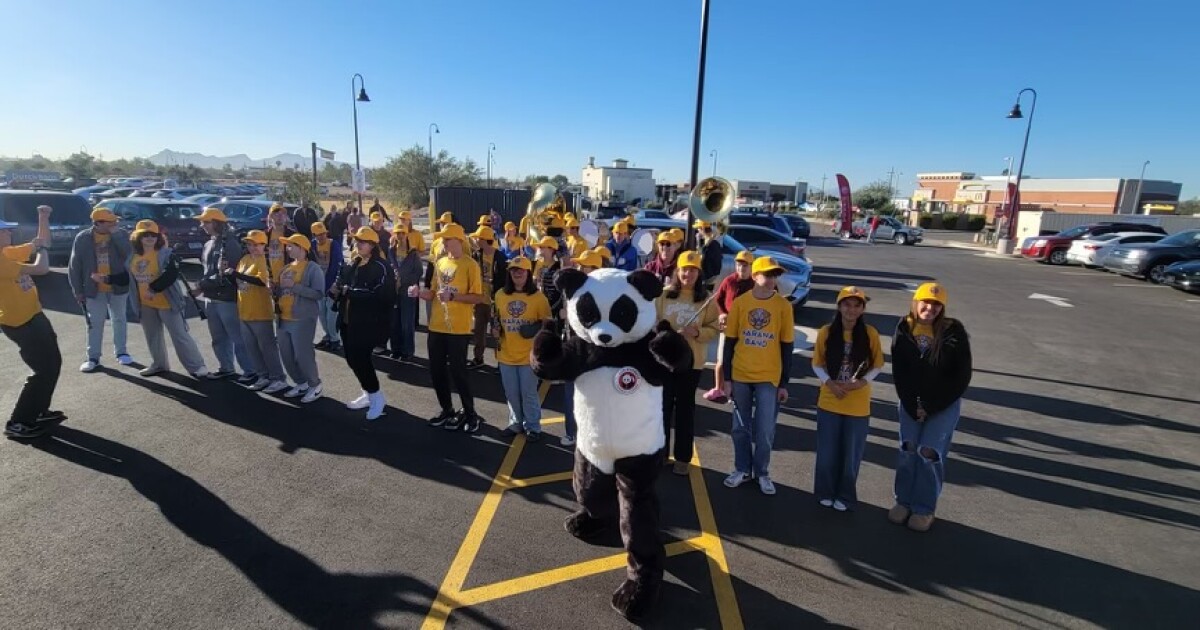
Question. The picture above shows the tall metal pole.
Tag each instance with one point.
(1012, 221)
(314, 160)
(432, 127)
(713, 154)
(821, 206)
(699, 110)
(1137, 200)
(354, 100)
(491, 147)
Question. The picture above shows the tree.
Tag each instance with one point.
(298, 188)
(874, 196)
(79, 166)
(334, 172)
(407, 178)
(227, 169)
(1191, 206)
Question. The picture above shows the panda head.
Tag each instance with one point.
(610, 307)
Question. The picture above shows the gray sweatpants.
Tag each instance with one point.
(262, 348)
(153, 322)
(296, 348)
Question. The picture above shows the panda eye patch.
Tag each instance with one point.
(624, 313)
(586, 311)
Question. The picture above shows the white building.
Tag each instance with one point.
(618, 182)
(746, 190)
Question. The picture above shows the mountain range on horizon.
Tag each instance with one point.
(167, 157)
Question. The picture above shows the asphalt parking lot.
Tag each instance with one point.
(1073, 494)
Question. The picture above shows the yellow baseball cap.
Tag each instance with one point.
(620, 227)
(484, 232)
(765, 264)
(145, 226)
(520, 262)
(744, 256)
(404, 214)
(689, 259)
(258, 237)
(589, 259)
(212, 214)
(852, 292)
(631, 220)
(299, 240)
(931, 291)
(665, 237)
(485, 219)
(509, 225)
(399, 228)
(452, 231)
(103, 214)
(701, 224)
(676, 235)
(572, 223)
(377, 216)
(319, 228)
(366, 234)
(277, 208)
(548, 241)
(603, 251)
(554, 221)
(446, 218)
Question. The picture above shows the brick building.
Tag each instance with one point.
(965, 193)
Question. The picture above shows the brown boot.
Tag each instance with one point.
(920, 522)
(898, 514)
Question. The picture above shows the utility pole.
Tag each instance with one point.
(822, 204)
(891, 192)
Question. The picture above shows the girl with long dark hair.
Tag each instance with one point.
(846, 358)
(519, 309)
(161, 302)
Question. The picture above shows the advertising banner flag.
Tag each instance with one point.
(847, 217)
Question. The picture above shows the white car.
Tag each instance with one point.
(1090, 252)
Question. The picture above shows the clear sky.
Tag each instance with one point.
(795, 89)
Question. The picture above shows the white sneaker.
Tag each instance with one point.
(567, 441)
(295, 391)
(313, 394)
(377, 402)
(767, 486)
(124, 359)
(736, 479)
(362, 402)
(839, 506)
(89, 366)
(259, 384)
(201, 373)
(826, 503)
(275, 387)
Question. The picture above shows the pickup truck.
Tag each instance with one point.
(889, 229)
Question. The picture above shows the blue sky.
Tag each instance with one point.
(795, 89)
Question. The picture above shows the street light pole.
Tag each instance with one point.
(1010, 233)
(713, 154)
(361, 95)
(1137, 200)
(433, 128)
(491, 147)
(699, 111)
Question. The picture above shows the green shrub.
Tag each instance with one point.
(949, 220)
(925, 220)
(976, 222)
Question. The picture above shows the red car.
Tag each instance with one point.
(1053, 249)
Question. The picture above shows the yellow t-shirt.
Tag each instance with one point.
(858, 402)
(145, 270)
(463, 277)
(577, 246)
(923, 333)
(276, 253)
(416, 242)
(254, 302)
(287, 297)
(514, 243)
(760, 326)
(103, 267)
(322, 253)
(485, 275)
(515, 311)
(18, 294)
(683, 308)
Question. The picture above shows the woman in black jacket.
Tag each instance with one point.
(931, 366)
(365, 294)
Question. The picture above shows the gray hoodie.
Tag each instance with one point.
(83, 263)
(308, 291)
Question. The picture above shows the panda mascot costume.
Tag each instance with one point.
(619, 358)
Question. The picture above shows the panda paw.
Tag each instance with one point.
(547, 347)
(670, 349)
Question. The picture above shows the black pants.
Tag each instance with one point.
(358, 349)
(38, 345)
(448, 361)
(679, 399)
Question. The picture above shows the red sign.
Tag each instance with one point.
(847, 209)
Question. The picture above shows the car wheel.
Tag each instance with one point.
(1058, 257)
(902, 239)
(1157, 272)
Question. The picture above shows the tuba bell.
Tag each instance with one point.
(544, 203)
(712, 200)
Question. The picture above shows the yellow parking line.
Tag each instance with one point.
(552, 577)
(718, 566)
(540, 479)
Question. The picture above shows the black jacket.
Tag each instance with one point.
(365, 304)
(214, 284)
(303, 220)
(937, 386)
(711, 260)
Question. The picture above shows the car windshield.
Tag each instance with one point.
(1183, 238)
(731, 245)
(1075, 231)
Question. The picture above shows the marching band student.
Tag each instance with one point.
(457, 287)
(365, 295)
(519, 310)
(407, 262)
(327, 254)
(546, 265)
(494, 270)
(576, 245)
(625, 255)
(846, 358)
(301, 287)
(277, 230)
(100, 282)
(512, 245)
(710, 253)
(256, 312)
(354, 221)
(160, 302)
(663, 264)
(758, 359)
(222, 251)
(731, 287)
(606, 256)
(685, 305)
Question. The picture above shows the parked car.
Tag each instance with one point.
(176, 219)
(1184, 276)
(1150, 260)
(1090, 252)
(70, 215)
(178, 194)
(203, 200)
(1053, 249)
(249, 214)
(799, 225)
(761, 219)
(111, 193)
(86, 191)
(758, 238)
(890, 228)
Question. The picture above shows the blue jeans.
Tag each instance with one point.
(568, 393)
(521, 392)
(106, 306)
(755, 410)
(328, 319)
(841, 441)
(921, 465)
(226, 331)
(404, 326)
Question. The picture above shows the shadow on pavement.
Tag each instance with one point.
(1088, 386)
(309, 593)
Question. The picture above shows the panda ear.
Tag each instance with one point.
(646, 283)
(569, 280)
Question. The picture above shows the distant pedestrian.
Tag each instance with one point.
(378, 207)
(846, 358)
(336, 224)
(161, 303)
(874, 227)
(100, 282)
(303, 219)
(931, 366)
(354, 220)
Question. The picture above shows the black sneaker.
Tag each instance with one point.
(474, 364)
(471, 422)
(534, 436)
(455, 423)
(220, 374)
(379, 352)
(513, 430)
(322, 344)
(51, 416)
(335, 346)
(247, 379)
(441, 418)
(24, 431)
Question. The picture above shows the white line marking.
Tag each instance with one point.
(1057, 301)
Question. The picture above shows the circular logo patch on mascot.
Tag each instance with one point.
(516, 308)
(627, 380)
(759, 318)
